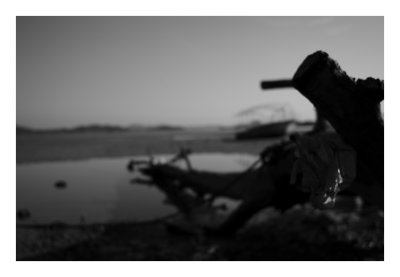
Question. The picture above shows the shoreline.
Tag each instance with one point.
(81, 146)
(300, 233)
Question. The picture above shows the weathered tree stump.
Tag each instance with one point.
(353, 108)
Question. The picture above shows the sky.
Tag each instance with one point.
(177, 70)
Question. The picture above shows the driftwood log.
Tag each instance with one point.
(353, 108)
(266, 186)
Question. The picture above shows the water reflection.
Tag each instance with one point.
(99, 190)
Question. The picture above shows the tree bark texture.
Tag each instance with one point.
(351, 106)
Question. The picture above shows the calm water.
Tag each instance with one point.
(99, 190)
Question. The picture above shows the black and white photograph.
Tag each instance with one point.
(199, 138)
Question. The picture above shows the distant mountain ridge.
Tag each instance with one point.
(21, 130)
(79, 129)
(24, 130)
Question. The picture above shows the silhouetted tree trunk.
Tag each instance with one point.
(321, 124)
(353, 108)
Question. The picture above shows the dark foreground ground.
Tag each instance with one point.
(301, 233)
(297, 235)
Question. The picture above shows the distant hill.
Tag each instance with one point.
(98, 128)
(166, 128)
(22, 130)
(104, 128)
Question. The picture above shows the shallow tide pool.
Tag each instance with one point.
(100, 190)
